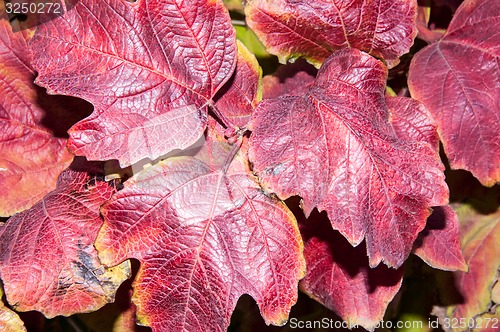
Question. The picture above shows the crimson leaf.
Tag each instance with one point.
(292, 79)
(458, 80)
(238, 98)
(151, 68)
(439, 243)
(340, 278)
(47, 258)
(204, 236)
(334, 146)
(31, 157)
(480, 237)
(314, 29)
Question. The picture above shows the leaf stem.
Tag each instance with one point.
(232, 153)
(225, 121)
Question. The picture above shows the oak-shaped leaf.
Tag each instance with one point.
(314, 29)
(339, 276)
(458, 79)
(150, 68)
(47, 259)
(241, 94)
(439, 243)
(480, 237)
(335, 147)
(31, 157)
(205, 234)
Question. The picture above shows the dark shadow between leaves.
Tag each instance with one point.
(465, 188)
(61, 112)
(246, 317)
(436, 221)
(105, 318)
(352, 260)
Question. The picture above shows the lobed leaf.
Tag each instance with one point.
(31, 156)
(457, 79)
(204, 237)
(335, 147)
(47, 258)
(151, 68)
(340, 278)
(241, 94)
(314, 29)
(480, 244)
(439, 243)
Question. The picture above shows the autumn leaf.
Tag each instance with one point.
(151, 69)
(335, 147)
(205, 234)
(9, 320)
(241, 94)
(293, 79)
(458, 80)
(31, 156)
(315, 29)
(439, 243)
(340, 278)
(480, 235)
(118, 316)
(410, 119)
(47, 259)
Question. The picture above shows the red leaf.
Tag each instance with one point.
(293, 79)
(480, 244)
(410, 119)
(151, 68)
(424, 32)
(439, 243)
(314, 29)
(47, 258)
(457, 79)
(31, 158)
(238, 98)
(204, 238)
(339, 276)
(335, 148)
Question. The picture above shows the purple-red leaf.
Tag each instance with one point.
(410, 119)
(204, 237)
(339, 276)
(439, 243)
(335, 147)
(31, 158)
(480, 235)
(47, 258)
(150, 68)
(314, 29)
(458, 80)
(238, 98)
(293, 79)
